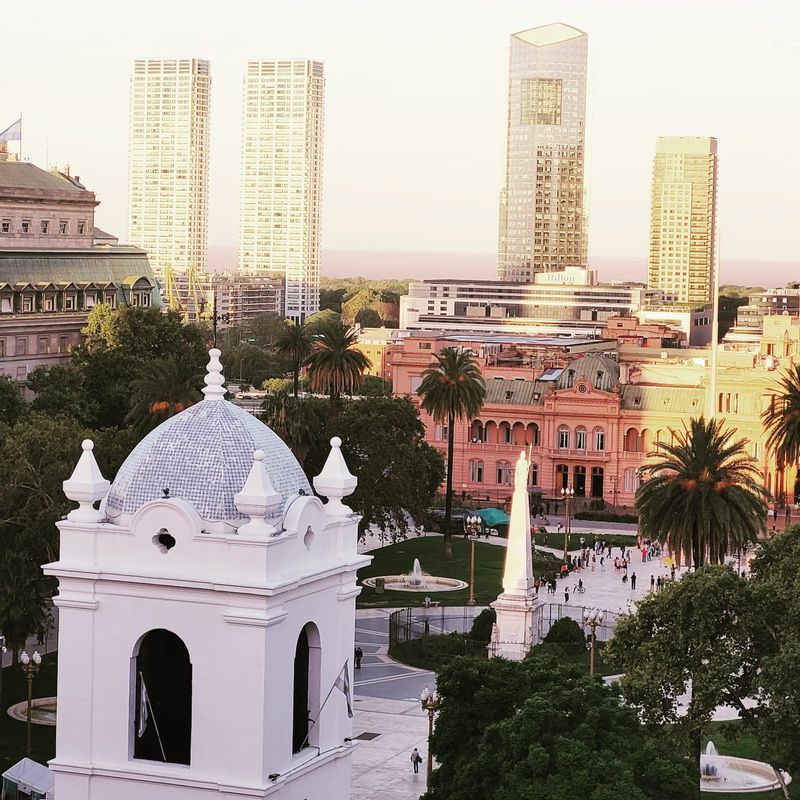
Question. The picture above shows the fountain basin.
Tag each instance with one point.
(43, 711)
(407, 583)
(737, 775)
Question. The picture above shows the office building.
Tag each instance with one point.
(168, 171)
(281, 188)
(542, 213)
(683, 219)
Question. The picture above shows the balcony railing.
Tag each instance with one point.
(585, 455)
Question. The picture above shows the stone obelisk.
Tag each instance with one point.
(517, 618)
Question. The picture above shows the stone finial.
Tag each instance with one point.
(214, 380)
(257, 499)
(335, 481)
(86, 486)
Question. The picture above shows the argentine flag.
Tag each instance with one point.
(13, 132)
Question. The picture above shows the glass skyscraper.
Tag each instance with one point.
(542, 214)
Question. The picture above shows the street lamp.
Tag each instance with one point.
(3, 651)
(567, 494)
(592, 617)
(472, 525)
(30, 666)
(430, 702)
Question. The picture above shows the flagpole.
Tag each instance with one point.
(327, 697)
(152, 714)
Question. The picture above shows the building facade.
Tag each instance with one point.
(281, 181)
(683, 219)
(168, 166)
(542, 211)
(240, 298)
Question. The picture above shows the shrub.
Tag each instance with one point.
(565, 631)
(481, 630)
(433, 652)
(606, 516)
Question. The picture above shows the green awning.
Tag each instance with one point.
(493, 516)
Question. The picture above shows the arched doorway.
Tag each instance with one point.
(305, 708)
(597, 481)
(162, 714)
(579, 481)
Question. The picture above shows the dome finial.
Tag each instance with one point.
(215, 382)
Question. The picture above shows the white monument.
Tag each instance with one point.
(206, 617)
(517, 627)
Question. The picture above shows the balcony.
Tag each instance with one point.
(572, 454)
(499, 448)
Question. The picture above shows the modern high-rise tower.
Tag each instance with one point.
(281, 189)
(168, 172)
(683, 219)
(542, 214)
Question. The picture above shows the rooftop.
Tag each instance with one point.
(24, 175)
(555, 33)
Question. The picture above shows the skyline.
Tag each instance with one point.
(415, 142)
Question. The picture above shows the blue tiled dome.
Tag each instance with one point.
(203, 455)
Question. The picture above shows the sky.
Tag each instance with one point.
(416, 108)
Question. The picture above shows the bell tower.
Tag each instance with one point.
(207, 613)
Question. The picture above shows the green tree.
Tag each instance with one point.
(452, 388)
(373, 386)
(369, 318)
(703, 497)
(250, 364)
(164, 388)
(24, 592)
(322, 318)
(265, 329)
(782, 418)
(541, 730)
(294, 345)
(12, 403)
(336, 365)
(302, 424)
(62, 390)
(690, 637)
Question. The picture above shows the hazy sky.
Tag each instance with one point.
(416, 107)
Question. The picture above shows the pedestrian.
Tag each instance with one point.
(536, 585)
(416, 759)
(358, 654)
(602, 563)
(566, 595)
(633, 581)
(593, 563)
(659, 584)
(652, 583)
(672, 573)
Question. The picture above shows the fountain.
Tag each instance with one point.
(416, 581)
(719, 773)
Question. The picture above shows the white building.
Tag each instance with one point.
(542, 215)
(207, 614)
(168, 163)
(281, 191)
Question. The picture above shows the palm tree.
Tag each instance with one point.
(300, 423)
(452, 388)
(294, 344)
(703, 497)
(782, 419)
(164, 388)
(335, 365)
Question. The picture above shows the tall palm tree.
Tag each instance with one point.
(782, 419)
(335, 365)
(703, 497)
(452, 388)
(294, 344)
(164, 388)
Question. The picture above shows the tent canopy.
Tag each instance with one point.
(493, 516)
(30, 775)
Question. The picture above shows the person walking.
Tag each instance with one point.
(566, 595)
(659, 584)
(358, 654)
(416, 759)
(633, 581)
(652, 583)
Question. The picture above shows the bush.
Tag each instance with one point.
(548, 649)
(481, 630)
(606, 516)
(433, 652)
(565, 632)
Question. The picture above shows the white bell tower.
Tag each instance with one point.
(206, 611)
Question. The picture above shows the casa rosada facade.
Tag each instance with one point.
(589, 419)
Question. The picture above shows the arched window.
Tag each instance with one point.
(504, 431)
(597, 481)
(631, 441)
(562, 477)
(599, 440)
(162, 713)
(563, 437)
(580, 438)
(477, 431)
(532, 434)
(476, 471)
(579, 481)
(307, 664)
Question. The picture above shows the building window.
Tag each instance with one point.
(2, 348)
(44, 345)
(44, 225)
(162, 712)
(562, 477)
(563, 437)
(49, 303)
(27, 303)
(62, 344)
(599, 440)
(597, 481)
(5, 226)
(736, 403)
(424, 345)
(69, 302)
(22, 346)
(440, 432)
(26, 226)
(81, 227)
(534, 474)
(580, 439)
(503, 472)
(476, 471)
(63, 226)
(306, 699)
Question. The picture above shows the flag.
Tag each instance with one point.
(13, 132)
(143, 702)
(343, 685)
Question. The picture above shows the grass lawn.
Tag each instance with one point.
(730, 742)
(12, 732)
(399, 558)
(556, 540)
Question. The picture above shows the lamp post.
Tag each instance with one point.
(30, 666)
(3, 651)
(592, 617)
(472, 524)
(430, 702)
(567, 494)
